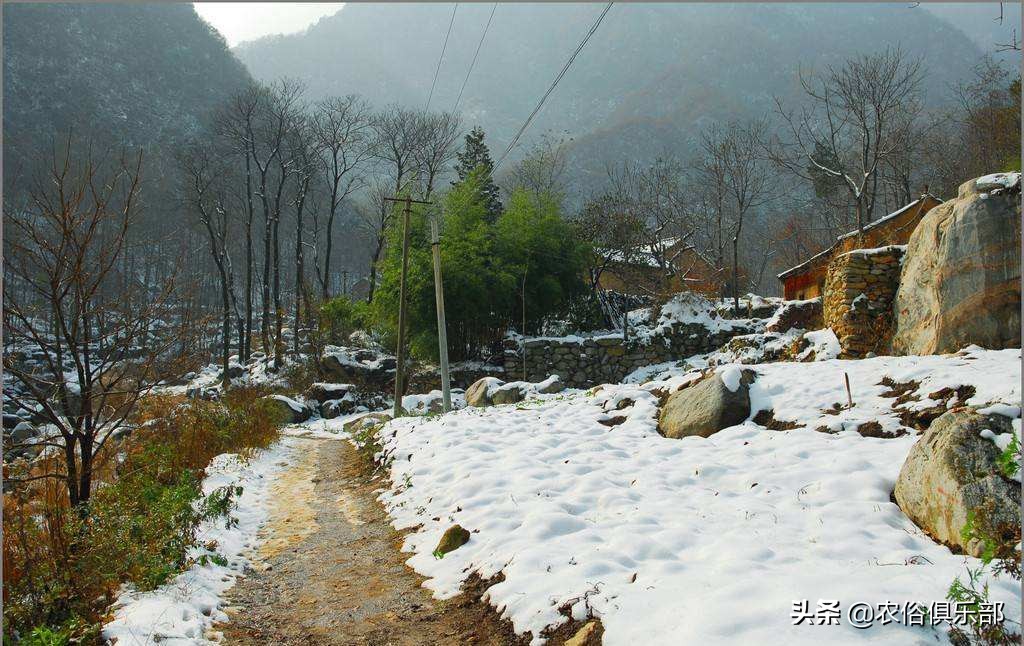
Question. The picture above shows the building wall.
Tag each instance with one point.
(859, 292)
(640, 279)
(895, 231)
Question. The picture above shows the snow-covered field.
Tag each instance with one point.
(701, 541)
(183, 610)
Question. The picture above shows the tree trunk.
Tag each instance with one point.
(278, 310)
(735, 275)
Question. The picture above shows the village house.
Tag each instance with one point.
(807, 280)
(642, 272)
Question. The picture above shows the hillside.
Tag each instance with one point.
(651, 75)
(131, 74)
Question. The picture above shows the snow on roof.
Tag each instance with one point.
(867, 227)
(646, 254)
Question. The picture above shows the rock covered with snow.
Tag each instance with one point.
(952, 476)
(960, 282)
(491, 391)
(290, 411)
(718, 401)
(364, 367)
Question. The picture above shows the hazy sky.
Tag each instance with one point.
(239, 21)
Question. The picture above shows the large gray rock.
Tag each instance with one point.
(960, 282)
(706, 407)
(952, 473)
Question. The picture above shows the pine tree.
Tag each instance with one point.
(476, 156)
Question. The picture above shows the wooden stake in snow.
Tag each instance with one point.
(849, 397)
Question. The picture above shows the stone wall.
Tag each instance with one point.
(586, 362)
(860, 287)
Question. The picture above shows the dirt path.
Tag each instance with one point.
(334, 573)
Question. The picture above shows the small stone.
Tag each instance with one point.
(454, 538)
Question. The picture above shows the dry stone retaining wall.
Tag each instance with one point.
(860, 287)
(585, 362)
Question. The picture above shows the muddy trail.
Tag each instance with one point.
(330, 570)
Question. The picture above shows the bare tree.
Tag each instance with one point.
(542, 170)
(398, 135)
(66, 247)
(234, 124)
(439, 132)
(206, 196)
(737, 181)
(653, 197)
(342, 130)
(852, 125)
(376, 215)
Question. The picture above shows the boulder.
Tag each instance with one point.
(551, 385)
(804, 315)
(11, 421)
(508, 394)
(707, 406)
(324, 392)
(290, 410)
(960, 282)
(478, 394)
(22, 433)
(235, 370)
(952, 474)
(359, 366)
(336, 408)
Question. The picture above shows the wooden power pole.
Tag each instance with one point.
(400, 352)
(442, 330)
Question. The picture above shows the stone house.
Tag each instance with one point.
(641, 273)
(807, 280)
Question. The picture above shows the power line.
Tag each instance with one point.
(441, 57)
(565, 68)
(473, 63)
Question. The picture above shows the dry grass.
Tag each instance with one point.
(62, 566)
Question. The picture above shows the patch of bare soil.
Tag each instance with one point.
(332, 571)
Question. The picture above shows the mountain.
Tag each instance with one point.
(130, 74)
(650, 78)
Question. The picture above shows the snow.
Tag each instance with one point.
(289, 402)
(730, 375)
(824, 344)
(997, 181)
(183, 611)
(705, 541)
(685, 308)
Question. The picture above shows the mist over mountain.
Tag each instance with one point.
(129, 74)
(651, 77)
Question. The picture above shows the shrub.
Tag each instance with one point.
(63, 566)
(341, 316)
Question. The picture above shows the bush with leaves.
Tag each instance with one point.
(63, 565)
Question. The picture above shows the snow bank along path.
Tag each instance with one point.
(700, 541)
(183, 610)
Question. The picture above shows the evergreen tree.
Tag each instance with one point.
(476, 156)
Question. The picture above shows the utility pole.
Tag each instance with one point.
(442, 330)
(400, 353)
